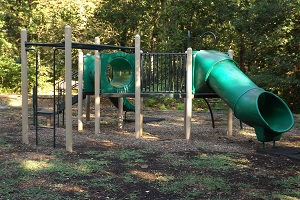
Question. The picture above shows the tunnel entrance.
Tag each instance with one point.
(119, 72)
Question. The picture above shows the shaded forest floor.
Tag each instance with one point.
(160, 165)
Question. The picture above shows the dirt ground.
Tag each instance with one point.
(165, 136)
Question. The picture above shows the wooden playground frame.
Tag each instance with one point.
(137, 95)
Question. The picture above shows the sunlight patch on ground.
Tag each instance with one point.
(68, 188)
(103, 142)
(11, 100)
(149, 136)
(144, 175)
(34, 165)
(15, 102)
(247, 133)
(151, 176)
(37, 182)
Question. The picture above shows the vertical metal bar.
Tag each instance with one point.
(36, 99)
(165, 78)
(152, 74)
(148, 73)
(58, 98)
(175, 78)
(55, 108)
(170, 72)
(180, 74)
(178, 67)
(80, 92)
(157, 78)
(161, 79)
(185, 74)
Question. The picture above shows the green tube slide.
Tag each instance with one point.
(263, 110)
(117, 76)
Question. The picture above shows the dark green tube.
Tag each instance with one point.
(266, 112)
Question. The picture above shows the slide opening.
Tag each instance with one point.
(119, 72)
(275, 112)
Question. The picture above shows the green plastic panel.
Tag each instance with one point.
(117, 73)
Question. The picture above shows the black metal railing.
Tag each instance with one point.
(163, 72)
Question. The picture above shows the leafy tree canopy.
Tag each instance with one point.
(264, 34)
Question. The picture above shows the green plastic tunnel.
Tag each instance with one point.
(263, 110)
(117, 73)
(117, 76)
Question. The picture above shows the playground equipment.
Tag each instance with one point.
(264, 111)
(194, 74)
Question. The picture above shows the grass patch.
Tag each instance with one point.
(198, 185)
(216, 162)
(105, 183)
(87, 166)
(3, 143)
(289, 182)
(291, 186)
(129, 154)
(117, 174)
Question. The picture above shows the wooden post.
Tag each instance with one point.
(97, 88)
(120, 113)
(25, 128)
(138, 114)
(68, 80)
(88, 109)
(189, 93)
(80, 90)
(229, 110)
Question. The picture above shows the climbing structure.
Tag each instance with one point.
(194, 74)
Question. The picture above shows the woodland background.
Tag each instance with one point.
(264, 34)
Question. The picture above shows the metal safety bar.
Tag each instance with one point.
(77, 45)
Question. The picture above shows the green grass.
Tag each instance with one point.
(198, 185)
(87, 166)
(3, 143)
(215, 162)
(115, 173)
(290, 184)
(106, 183)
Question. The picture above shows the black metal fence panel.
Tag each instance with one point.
(163, 72)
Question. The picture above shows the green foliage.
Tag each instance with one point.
(262, 33)
(10, 74)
